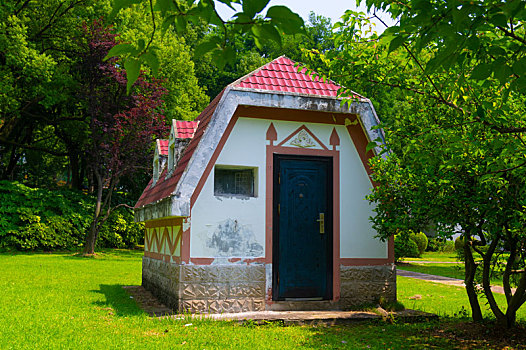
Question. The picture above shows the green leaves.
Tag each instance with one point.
(396, 42)
(370, 146)
(265, 32)
(122, 4)
(133, 69)
(481, 71)
(121, 50)
(134, 58)
(251, 8)
(208, 45)
(278, 20)
(519, 67)
(152, 60)
(286, 20)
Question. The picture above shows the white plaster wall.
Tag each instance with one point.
(356, 233)
(246, 147)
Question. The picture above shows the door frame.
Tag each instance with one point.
(277, 158)
(275, 147)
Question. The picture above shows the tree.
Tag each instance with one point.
(43, 132)
(185, 98)
(121, 126)
(250, 21)
(456, 70)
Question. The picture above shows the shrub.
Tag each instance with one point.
(448, 247)
(41, 219)
(119, 231)
(405, 247)
(421, 241)
(435, 244)
(459, 243)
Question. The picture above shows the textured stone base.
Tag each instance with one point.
(206, 288)
(241, 288)
(366, 284)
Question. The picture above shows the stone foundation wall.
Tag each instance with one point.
(162, 280)
(240, 288)
(366, 284)
(206, 288)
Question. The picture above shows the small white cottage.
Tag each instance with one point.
(260, 203)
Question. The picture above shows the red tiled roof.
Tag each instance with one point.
(282, 75)
(165, 187)
(278, 75)
(163, 145)
(185, 129)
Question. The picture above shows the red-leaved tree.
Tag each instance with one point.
(121, 126)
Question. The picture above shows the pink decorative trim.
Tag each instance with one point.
(185, 243)
(213, 160)
(303, 127)
(335, 155)
(202, 261)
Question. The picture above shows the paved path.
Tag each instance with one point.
(441, 279)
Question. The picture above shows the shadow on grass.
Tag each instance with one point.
(117, 301)
(109, 254)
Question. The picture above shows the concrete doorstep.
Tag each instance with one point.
(149, 304)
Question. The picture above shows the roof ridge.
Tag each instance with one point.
(279, 76)
(234, 83)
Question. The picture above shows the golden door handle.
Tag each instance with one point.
(321, 220)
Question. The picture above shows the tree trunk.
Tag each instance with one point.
(469, 279)
(13, 160)
(516, 301)
(76, 179)
(486, 281)
(91, 238)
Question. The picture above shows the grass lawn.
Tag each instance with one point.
(440, 299)
(436, 256)
(446, 270)
(63, 301)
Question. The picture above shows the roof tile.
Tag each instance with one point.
(166, 186)
(278, 75)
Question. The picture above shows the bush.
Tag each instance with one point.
(435, 244)
(459, 243)
(41, 219)
(119, 231)
(405, 247)
(449, 247)
(421, 241)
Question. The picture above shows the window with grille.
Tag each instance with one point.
(234, 181)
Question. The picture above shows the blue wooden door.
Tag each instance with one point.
(302, 262)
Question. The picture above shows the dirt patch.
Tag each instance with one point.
(471, 335)
(147, 302)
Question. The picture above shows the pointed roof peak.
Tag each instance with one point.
(285, 75)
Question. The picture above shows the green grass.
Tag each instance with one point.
(436, 256)
(443, 300)
(65, 301)
(446, 270)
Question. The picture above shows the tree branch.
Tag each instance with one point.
(53, 17)
(511, 34)
(34, 148)
(17, 12)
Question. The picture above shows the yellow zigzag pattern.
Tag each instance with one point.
(167, 241)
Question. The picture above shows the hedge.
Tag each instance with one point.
(42, 219)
